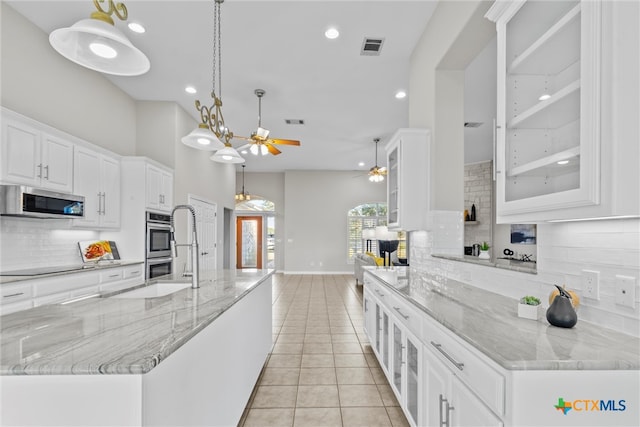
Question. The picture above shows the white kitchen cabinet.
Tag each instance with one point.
(449, 402)
(116, 279)
(159, 188)
(35, 158)
(15, 297)
(408, 179)
(97, 178)
(566, 123)
(406, 372)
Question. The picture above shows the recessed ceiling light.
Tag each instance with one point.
(563, 162)
(332, 33)
(136, 27)
(361, 164)
(401, 94)
(190, 89)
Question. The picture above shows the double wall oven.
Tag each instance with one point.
(158, 259)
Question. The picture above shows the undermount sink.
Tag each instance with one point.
(158, 289)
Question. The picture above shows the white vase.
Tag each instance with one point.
(529, 311)
(484, 254)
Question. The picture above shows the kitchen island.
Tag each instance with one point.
(455, 354)
(188, 358)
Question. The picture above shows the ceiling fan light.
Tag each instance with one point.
(254, 149)
(202, 138)
(87, 41)
(227, 155)
(262, 133)
(264, 150)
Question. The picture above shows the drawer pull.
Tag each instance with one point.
(457, 364)
(17, 294)
(114, 275)
(400, 313)
(379, 293)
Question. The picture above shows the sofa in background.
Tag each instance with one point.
(361, 260)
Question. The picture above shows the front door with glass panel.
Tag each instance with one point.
(249, 242)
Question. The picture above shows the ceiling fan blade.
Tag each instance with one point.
(284, 141)
(246, 138)
(273, 150)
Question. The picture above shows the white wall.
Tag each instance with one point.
(39, 83)
(316, 206)
(453, 37)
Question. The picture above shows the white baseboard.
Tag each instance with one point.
(317, 272)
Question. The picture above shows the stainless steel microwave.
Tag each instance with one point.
(20, 200)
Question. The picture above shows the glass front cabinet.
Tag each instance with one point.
(553, 160)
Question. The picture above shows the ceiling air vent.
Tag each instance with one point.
(294, 121)
(472, 124)
(371, 46)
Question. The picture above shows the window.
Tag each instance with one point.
(361, 217)
(256, 204)
(365, 216)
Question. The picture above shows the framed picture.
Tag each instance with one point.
(523, 234)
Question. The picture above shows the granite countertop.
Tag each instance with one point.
(104, 335)
(489, 322)
(80, 268)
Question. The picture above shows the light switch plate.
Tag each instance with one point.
(591, 284)
(626, 291)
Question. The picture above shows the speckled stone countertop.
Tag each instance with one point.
(81, 269)
(103, 335)
(490, 323)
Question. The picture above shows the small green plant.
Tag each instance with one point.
(484, 246)
(529, 300)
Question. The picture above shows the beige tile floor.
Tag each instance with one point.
(321, 371)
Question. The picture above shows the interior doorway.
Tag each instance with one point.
(206, 224)
(249, 242)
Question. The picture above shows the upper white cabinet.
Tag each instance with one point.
(159, 188)
(408, 183)
(97, 178)
(35, 158)
(558, 149)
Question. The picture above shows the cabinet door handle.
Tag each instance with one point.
(46, 169)
(17, 294)
(495, 148)
(104, 203)
(99, 203)
(447, 411)
(40, 170)
(204, 253)
(457, 364)
(400, 313)
(443, 423)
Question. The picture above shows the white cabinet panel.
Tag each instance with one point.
(159, 188)
(408, 179)
(559, 149)
(97, 178)
(32, 157)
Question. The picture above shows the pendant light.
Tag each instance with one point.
(376, 174)
(242, 196)
(211, 134)
(96, 43)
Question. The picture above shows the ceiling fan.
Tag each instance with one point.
(377, 174)
(259, 141)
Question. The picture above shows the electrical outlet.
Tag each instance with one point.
(626, 291)
(591, 284)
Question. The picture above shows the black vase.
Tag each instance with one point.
(561, 312)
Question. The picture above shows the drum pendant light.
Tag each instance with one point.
(96, 43)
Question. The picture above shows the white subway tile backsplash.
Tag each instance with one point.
(564, 250)
(26, 243)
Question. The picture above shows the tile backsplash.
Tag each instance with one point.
(610, 247)
(26, 243)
